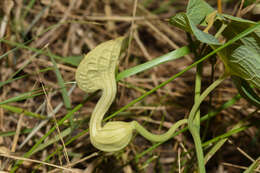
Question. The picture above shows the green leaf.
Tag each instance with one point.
(237, 25)
(243, 61)
(202, 36)
(197, 10)
(237, 19)
(183, 21)
(246, 91)
(180, 20)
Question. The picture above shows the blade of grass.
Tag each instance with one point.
(23, 96)
(23, 76)
(22, 111)
(178, 53)
(62, 85)
(253, 166)
(12, 133)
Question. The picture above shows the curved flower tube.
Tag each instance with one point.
(97, 72)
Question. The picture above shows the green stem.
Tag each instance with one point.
(194, 129)
(197, 93)
(205, 94)
(158, 138)
(221, 29)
